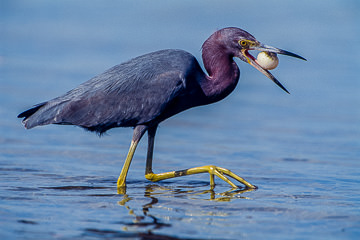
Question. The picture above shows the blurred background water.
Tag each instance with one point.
(302, 150)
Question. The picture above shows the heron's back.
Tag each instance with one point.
(134, 92)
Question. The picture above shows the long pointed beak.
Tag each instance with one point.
(261, 47)
(267, 48)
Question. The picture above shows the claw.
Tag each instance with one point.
(211, 169)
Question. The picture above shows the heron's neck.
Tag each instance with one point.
(223, 71)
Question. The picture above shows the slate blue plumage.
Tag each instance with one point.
(143, 90)
(148, 89)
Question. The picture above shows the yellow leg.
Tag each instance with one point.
(138, 133)
(121, 182)
(211, 169)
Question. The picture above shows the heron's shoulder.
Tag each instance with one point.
(174, 56)
(152, 64)
(157, 66)
(171, 53)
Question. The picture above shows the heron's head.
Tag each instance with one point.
(240, 42)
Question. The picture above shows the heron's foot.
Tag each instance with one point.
(121, 185)
(220, 172)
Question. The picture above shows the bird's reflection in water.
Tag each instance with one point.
(155, 192)
(142, 220)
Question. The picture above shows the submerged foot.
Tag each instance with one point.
(220, 172)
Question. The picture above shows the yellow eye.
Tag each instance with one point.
(243, 43)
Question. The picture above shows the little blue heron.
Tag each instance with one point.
(148, 89)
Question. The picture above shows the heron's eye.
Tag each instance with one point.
(243, 43)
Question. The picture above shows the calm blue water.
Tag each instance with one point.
(302, 150)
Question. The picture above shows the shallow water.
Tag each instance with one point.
(302, 150)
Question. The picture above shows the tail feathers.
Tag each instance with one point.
(26, 114)
(34, 116)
